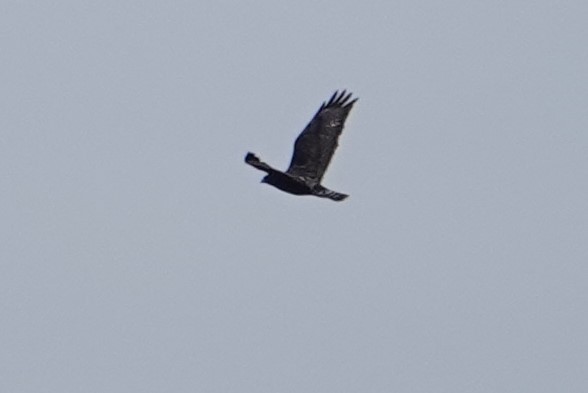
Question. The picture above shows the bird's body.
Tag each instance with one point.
(313, 151)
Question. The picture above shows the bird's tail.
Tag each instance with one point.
(323, 192)
(255, 162)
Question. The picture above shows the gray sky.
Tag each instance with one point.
(139, 254)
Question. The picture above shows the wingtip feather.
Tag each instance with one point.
(340, 99)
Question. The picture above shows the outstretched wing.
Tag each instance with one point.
(316, 145)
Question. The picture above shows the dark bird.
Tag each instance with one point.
(313, 151)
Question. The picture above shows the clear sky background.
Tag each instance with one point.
(140, 254)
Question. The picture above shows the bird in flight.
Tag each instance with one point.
(313, 151)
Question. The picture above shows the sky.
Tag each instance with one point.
(138, 253)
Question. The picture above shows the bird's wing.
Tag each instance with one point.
(316, 145)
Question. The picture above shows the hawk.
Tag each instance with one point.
(313, 151)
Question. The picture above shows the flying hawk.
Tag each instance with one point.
(313, 151)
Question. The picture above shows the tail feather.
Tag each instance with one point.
(255, 162)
